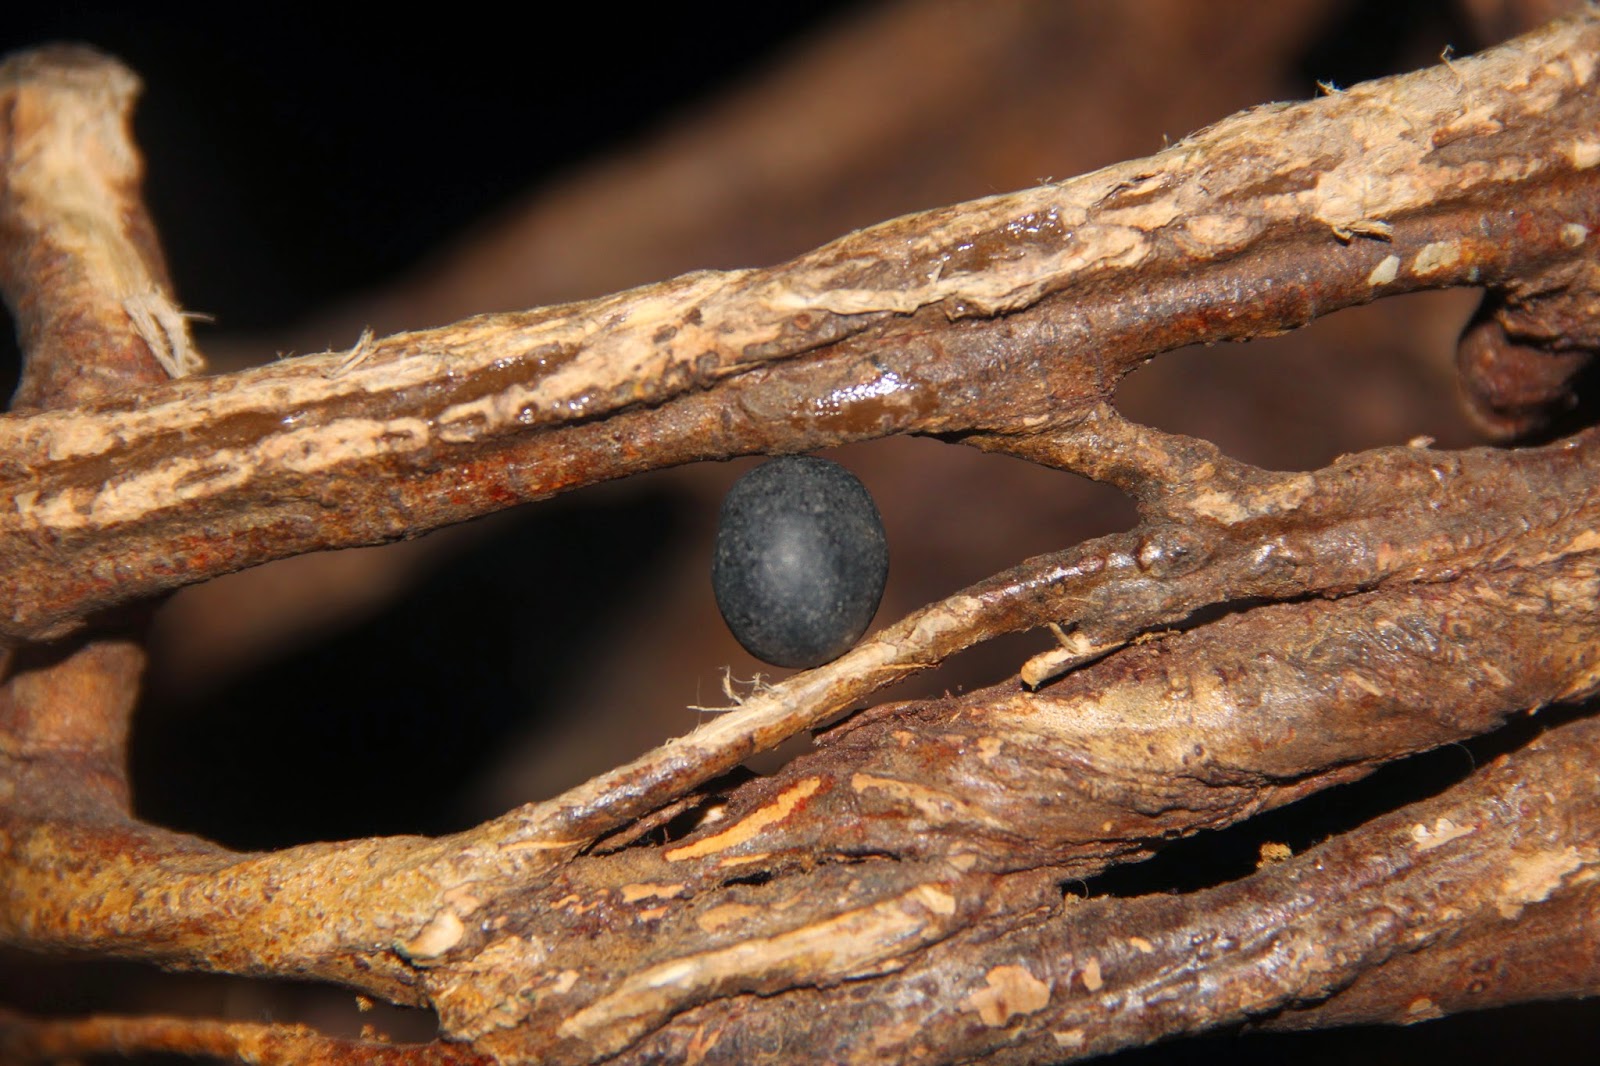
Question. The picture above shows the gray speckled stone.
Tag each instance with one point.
(800, 560)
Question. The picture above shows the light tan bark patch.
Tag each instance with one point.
(1010, 990)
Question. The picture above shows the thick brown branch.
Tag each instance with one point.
(1049, 978)
(1552, 952)
(992, 315)
(1197, 730)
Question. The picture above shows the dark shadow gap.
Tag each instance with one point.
(57, 987)
(1368, 376)
(1368, 39)
(382, 727)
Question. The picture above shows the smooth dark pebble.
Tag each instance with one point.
(800, 561)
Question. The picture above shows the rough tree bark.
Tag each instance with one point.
(899, 892)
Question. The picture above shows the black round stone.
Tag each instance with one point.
(800, 560)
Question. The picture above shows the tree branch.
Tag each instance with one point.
(1000, 314)
(1050, 978)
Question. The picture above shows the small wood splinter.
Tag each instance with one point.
(1076, 650)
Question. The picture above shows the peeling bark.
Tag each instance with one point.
(1414, 890)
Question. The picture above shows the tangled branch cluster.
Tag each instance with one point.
(1256, 638)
